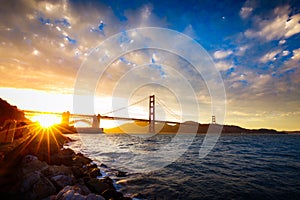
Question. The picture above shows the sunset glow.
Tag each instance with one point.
(46, 121)
(150, 99)
(255, 47)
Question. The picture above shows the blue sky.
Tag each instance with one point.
(254, 44)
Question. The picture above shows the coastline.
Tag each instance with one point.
(33, 168)
(195, 127)
(37, 166)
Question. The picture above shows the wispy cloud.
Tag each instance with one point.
(270, 56)
(222, 54)
(223, 66)
(279, 24)
(247, 9)
(296, 54)
(55, 37)
(246, 12)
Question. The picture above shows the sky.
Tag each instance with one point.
(254, 44)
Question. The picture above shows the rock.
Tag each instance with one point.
(31, 163)
(62, 180)
(67, 152)
(94, 197)
(78, 172)
(63, 157)
(54, 170)
(84, 189)
(51, 197)
(81, 160)
(99, 185)
(93, 173)
(125, 198)
(139, 196)
(112, 194)
(103, 165)
(92, 170)
(107, 180)
(36, 186)
(90, 166)
(68, 194)
(28, 159)
(121, 174)
(75, 193)
(28, 181)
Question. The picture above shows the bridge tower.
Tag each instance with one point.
(65, 118)
(96, 121)
(152, 114)
(213, 119)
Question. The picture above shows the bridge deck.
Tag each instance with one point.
(91, 116)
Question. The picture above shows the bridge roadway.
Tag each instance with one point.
(102, 117)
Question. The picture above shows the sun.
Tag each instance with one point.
(46, 121)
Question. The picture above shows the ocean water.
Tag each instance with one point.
(238, 167)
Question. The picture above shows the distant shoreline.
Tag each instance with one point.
(192, 127)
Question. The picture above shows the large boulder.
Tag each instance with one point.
(83, 188)
(63, 157)
(121, 174)
(36, 186)
(93, 196)
(75, 193)
(112, 194)
(89, 170)
(60, 181)
(98, 186)
(92, 170)
(78, 172)
(54, 170)
(80, 160)
(31, 164)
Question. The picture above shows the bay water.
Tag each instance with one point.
(238, 167)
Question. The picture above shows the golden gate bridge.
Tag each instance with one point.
(94, 120)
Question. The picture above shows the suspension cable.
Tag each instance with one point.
(176, 116)
(125, 106)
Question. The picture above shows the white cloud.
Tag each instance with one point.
(245, 12)
(292, 63)
(146, 12)
(189, 30)
(269, 56)
(241, 50)
(223, 66)
(247, 9)
(296, 54)
(54, 38)
(278, 25)
(292, 26)
(222, 54)
(260, 81)
(285, 53)
(282, 42)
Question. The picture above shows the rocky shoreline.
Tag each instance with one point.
(38, 167)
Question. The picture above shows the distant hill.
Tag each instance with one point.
(8, 111)
(292, 132)
(190, 126)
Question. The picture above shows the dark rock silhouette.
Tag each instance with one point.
(8, 111)
(36, 166)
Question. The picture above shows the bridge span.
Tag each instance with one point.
(94, 120)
